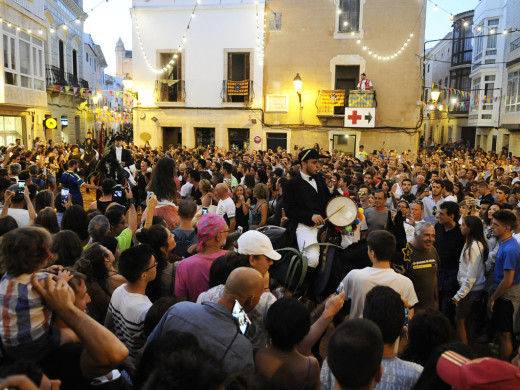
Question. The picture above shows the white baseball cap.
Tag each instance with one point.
(253, 242)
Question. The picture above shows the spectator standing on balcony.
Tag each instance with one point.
(364, 84)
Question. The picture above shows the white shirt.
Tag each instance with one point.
(128, 313)
(20, 215)
(365, 85)
(311, 182)
(471, 270)
(186, 190)
(226, 207)
(359, 282)
(119, 152)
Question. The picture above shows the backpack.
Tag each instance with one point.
(183, 243)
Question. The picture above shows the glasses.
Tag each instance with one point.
(153, 266)
(417, 202)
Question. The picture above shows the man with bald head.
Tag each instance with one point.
(214, 326)
(226, 207)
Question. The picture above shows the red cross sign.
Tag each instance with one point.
(354, 117)
(362, 117)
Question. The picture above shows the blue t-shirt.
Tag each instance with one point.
(73, 182)
(508, 258)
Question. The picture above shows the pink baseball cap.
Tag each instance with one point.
(479, 374)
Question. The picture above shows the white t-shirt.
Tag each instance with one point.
(359, 282)
(226, 207)
(128, 313)
(20, 215)
(186, 190)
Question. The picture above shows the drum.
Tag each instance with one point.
(341, 211)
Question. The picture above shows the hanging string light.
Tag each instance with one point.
(179, 47)
(260, 33)
(373, 53)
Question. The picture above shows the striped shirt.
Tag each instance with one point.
(25, 318)
(128, 313)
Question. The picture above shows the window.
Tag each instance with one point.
(513, 94)
(238, 71)
(61, 54)
(86, 57)
(462, 43)
(75, 63)
(492, 39)
(475, 89)
(23, 59)
(171, 87)
(10, 129)
(348, 15)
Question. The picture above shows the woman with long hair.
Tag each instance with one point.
(458, 191)
(44, 199)
(164, 184)
(162, 242)
(205, 190)
(261, 209)
(242, 207)
(98, 264)
(471, 272)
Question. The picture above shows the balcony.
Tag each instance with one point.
(169, 91)
(56, 76)
(237, 91)
(332, 103)
(459, 108)
(514, 44)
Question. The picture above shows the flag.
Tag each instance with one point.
(361, 99)
(333, 98)
(238, 88)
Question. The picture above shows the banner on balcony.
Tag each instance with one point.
(169, 82)
(236, 88)
(334, 98)
(361, 98)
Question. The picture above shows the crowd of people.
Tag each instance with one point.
(167, 279)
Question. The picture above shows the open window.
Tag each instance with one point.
(170, 87)
(238, 85)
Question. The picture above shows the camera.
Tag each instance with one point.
(118, 194)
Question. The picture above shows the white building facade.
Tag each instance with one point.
(23, 32)
(208, 90)
(487, 72)
(66, 101)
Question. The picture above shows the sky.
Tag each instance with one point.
(110, 19)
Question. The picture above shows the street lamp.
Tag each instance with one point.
(298, 83)
(128, 85)
(435, 95)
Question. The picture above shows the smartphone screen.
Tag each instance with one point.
(405, 316)
(118, 194)
(243, 320)
(239, 229)
(204, 210)
(64, 195)
(21, 183)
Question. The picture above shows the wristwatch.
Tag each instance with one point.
(131, 200)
